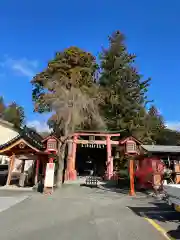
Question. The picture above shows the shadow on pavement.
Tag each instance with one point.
(175, 234)
(109, 186)
(160, 212)
(122, 187)
(88, 186)
(115, 187)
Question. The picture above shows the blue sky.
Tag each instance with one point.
(32, 31)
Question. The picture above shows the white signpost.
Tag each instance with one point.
(49, 177)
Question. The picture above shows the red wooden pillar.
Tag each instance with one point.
(109, 158)
(156, 174)
(177, 171)
(131, 174)
(74, 147)
(71, 173)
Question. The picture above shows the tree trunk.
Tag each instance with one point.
(61, 155)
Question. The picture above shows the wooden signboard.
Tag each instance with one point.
(49, 177)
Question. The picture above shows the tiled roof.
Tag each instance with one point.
(161, 148)
(29, 135)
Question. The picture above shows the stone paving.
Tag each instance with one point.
(76, 213)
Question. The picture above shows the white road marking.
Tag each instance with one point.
(7, 202)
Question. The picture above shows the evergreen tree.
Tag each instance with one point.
(168, 137)
(143, 128)
(71, 67)
(14, 114)
(124, 91)
(156, 124)
(2, 106)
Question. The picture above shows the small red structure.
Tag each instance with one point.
(27, 145)
(131, 145)
(51, 143)
(152, 160)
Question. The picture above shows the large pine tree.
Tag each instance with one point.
(124, 91)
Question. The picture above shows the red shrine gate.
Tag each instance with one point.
(71, 173)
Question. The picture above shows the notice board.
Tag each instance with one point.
(49, 177)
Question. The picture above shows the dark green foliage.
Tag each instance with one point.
(71, 67)
(156, 123)
(2, 106)
(12, 113)
(168, 137)
(143, 128)
(124, 91)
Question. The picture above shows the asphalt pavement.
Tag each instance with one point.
(82, 213)
(160, 215)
